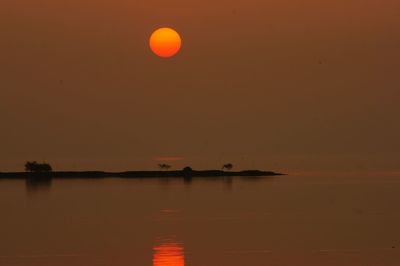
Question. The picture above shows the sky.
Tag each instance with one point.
(284, 85)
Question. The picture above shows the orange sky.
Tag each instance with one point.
(263, 84)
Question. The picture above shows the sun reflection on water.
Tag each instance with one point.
(168, 253)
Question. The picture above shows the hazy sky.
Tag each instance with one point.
(283, 85)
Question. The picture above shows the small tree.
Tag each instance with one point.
(227, 166)
(187, 173)
(164, 166)
(187, 169)
(37, 167)
(30, 166)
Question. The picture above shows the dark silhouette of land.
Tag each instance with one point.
(186, 172)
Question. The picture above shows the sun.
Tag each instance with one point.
(165, 42)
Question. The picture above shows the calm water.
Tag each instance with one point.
(287, 220)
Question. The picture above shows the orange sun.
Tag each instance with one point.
(165, 42)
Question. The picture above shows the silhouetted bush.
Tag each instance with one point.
(187, 172)
(227, 166)
(164, 166)
(38, 167)
(187, 169)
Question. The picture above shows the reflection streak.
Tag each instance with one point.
(168, 254)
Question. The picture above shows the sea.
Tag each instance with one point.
(300, 219)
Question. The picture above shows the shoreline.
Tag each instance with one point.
(137, 174)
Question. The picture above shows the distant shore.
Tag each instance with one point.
(136, 174)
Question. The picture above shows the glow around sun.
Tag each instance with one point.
(165, 42)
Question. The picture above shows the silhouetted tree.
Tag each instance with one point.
(31, 166)
(187, 169)
(37, 167)
(187, 172)
(164, 166)
(227, 166)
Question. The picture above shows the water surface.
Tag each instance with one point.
(286, 220)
